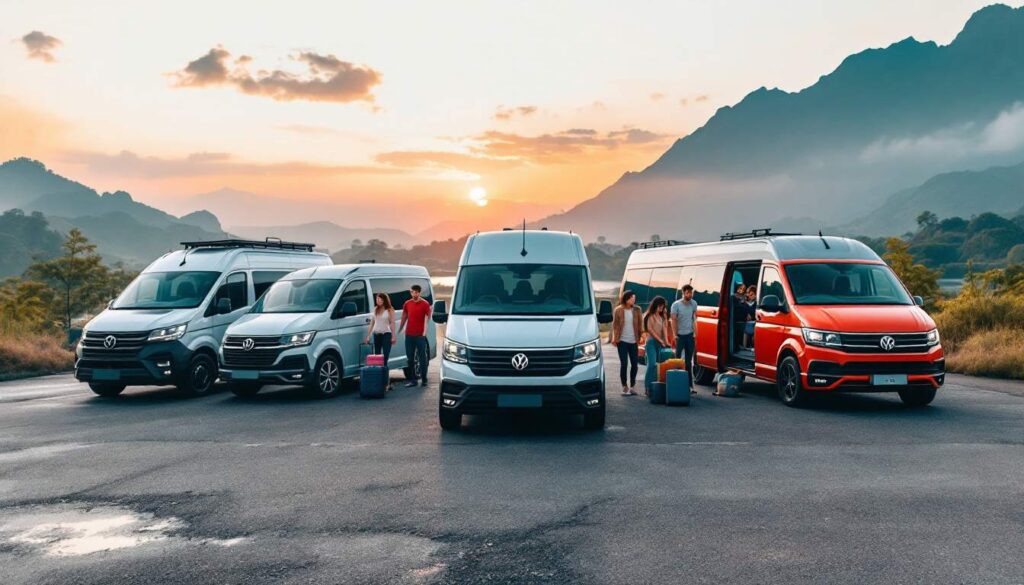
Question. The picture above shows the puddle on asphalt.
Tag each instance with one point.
(66, 530)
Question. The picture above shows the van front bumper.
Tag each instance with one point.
(844, 372)
(289, 369)
(154, 364)
(578, 392)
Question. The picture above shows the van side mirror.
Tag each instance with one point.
(440, 312)
(604, 312)
(772, 304)
(347, 309)
(223, 306)
(919, 301)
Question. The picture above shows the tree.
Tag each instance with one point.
(920, 279)
(601, 239)
(26, 302)
(78, 275)
(927, 219)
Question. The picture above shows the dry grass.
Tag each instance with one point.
(966, 316)
(998, 353)
(24, 352)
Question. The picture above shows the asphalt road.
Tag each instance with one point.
(149, 488)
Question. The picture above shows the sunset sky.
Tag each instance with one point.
(443, 110)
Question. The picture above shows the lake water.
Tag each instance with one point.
(600, 286)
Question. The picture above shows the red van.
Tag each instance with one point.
(826, 314)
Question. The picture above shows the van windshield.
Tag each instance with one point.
(844, 283)
(522, 289)
(166, 290)
(297, 296)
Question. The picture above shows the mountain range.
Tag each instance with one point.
(882, 122)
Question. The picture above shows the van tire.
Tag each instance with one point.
(106, 390)
(198, 378)
(917, 397)
(703, 376)
(789, 384)
(244, 390)
(449, 419)
(325, 380)
(594, 421)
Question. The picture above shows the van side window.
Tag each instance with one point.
(771, 284)
(665, 282)
(235, 289)
(638, 280)
(707, 285)
(397, 289)
(355, 292)
(686, 277)
(261, 280)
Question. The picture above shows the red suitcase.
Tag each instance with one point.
(375, 360)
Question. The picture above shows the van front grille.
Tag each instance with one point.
(540, 362)
(113, 347)
(872, 342)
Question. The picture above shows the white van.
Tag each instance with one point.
(523, 329)
(166, 326)
(309, 328)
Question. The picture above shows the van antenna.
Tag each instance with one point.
(184, 257)
(523, 253)
(824, 241)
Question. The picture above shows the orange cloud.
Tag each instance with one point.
(130, 164)
(657, 96)
(40, 45)
(554, 147)
(447, 161)
(327, 78)
(503, 113)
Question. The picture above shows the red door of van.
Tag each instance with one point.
(707, 291)
(770, 329)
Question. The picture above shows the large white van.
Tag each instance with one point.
(166, 326)
(309, 328)
(523, 329)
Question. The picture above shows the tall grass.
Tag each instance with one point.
(998, 353)
(966, 315)
(26, 351)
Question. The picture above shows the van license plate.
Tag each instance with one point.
(889, 380)
(106, 374)
(520, 400)
(245, 375)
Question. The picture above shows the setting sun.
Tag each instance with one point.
(478, 195)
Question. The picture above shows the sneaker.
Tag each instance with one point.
(410, 384)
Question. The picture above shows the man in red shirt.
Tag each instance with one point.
(415, 313)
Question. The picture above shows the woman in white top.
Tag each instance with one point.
(382, 326)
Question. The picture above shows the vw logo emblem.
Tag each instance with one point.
(520, 361)
(887, 342)
(248, 344)
(109, 342)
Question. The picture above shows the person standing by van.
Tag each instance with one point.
(656, 326)
(625, 336)
(683, 315)
(382, 326)
(415, 313)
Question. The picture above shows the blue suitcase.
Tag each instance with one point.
(677, 388)
(666, 353)
(373, 382)
(657, 395)
(729, 385)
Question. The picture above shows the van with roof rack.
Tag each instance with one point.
(165, 328)
(523, 330)
(309, 327)
(825, 314)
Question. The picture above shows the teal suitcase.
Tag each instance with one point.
(666, 353)
(677, 388)
(657, 395)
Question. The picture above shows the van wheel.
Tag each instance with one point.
(243, 390)
(703, 376)
(791, 389)
(106, 390)
(198, 379)
(326, 379)
(594, 421)
(449, 419)
(917, 397)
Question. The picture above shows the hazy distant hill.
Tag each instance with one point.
(123, 229)
(883, 121)
(958, 194)
(326, 234)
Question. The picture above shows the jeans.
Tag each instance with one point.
(685, 350)
(651, 371)
(628, 352)
(416, 345)
(382, 345)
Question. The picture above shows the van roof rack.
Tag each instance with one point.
(270, 243)
(756, 233)
(660, 244)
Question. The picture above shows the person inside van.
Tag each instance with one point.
(683, 316)
(625, 336)
(382, 326)
(748, 326)
(738, 310)
(656, 326)
(415, 314)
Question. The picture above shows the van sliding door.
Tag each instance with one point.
(707, 291)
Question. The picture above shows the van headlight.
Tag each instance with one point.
(933, 337)
(586, 352)
(822, 338)
(455, 352)
(297, 339)
(167, 333)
